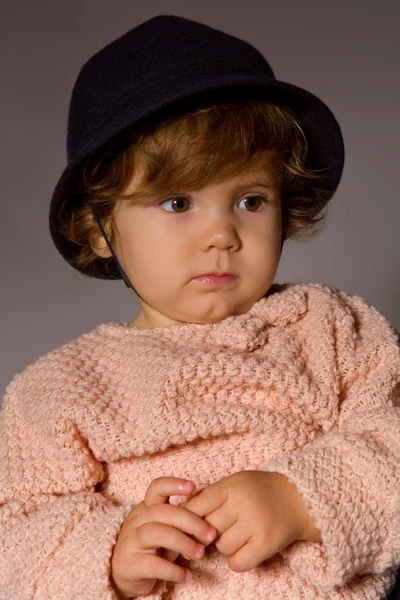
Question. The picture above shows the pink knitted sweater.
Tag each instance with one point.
(306, 383)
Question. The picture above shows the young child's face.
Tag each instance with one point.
(163, 247)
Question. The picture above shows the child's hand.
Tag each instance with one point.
(153, 524)
(256, 513)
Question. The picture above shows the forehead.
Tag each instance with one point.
(259, 172)
(262, 173)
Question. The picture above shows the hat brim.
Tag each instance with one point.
(324, 137)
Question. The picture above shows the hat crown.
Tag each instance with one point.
(163, 49)
(165, 66)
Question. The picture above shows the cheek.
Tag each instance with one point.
(265, 237)
(274, 223)
(154, 253)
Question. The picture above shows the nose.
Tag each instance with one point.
(219, 232)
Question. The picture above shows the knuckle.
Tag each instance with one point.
(134, 514)
(239, 564)
(154, 482)
(151, 530)
(153, 565)
(152, 487)
(236, 566)
(142, 563)
(189, 545)
(147, 565)
(160, 480)
(200, 505)
(136, 573)
(221, 547)
(166, 510)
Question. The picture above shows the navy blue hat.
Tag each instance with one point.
(155, 67)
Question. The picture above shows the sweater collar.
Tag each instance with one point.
(283, 304)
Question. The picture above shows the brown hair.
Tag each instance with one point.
(191, 149)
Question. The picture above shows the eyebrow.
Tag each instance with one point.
(245, 182)
(253, 182)
(258, 182)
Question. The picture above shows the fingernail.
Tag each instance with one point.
(211, 533)
(188, 576)
(199, 552)
(185, 486)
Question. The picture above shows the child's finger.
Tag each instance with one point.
(179, 518)
(162, 488)
(158, 535)
(170, 555)
(156, 567)
(145, 570)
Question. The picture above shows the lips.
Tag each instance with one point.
(215, 275)
(216, 280)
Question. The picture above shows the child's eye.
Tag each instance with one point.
(178, 202)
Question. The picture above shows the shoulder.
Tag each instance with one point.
(345, 311)
(63, 359)
(47, 382)
(352, 332)
(356, 324)
(324, 295)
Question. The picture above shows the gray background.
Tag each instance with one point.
(345, 52)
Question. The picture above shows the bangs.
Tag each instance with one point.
(188, 152)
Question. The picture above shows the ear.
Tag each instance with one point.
(97, 241)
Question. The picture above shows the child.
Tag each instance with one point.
(272, 410)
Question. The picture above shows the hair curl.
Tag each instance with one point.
(191, 149)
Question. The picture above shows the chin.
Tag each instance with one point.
(218, 311)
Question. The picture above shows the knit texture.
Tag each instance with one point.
(306, 383)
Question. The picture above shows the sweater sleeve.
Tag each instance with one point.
(57, 531)
(349, 477)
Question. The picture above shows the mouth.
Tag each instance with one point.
(216, 279)
(217, 275)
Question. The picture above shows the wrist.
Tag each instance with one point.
(312, 534)
(306, 529)
(120, 595)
